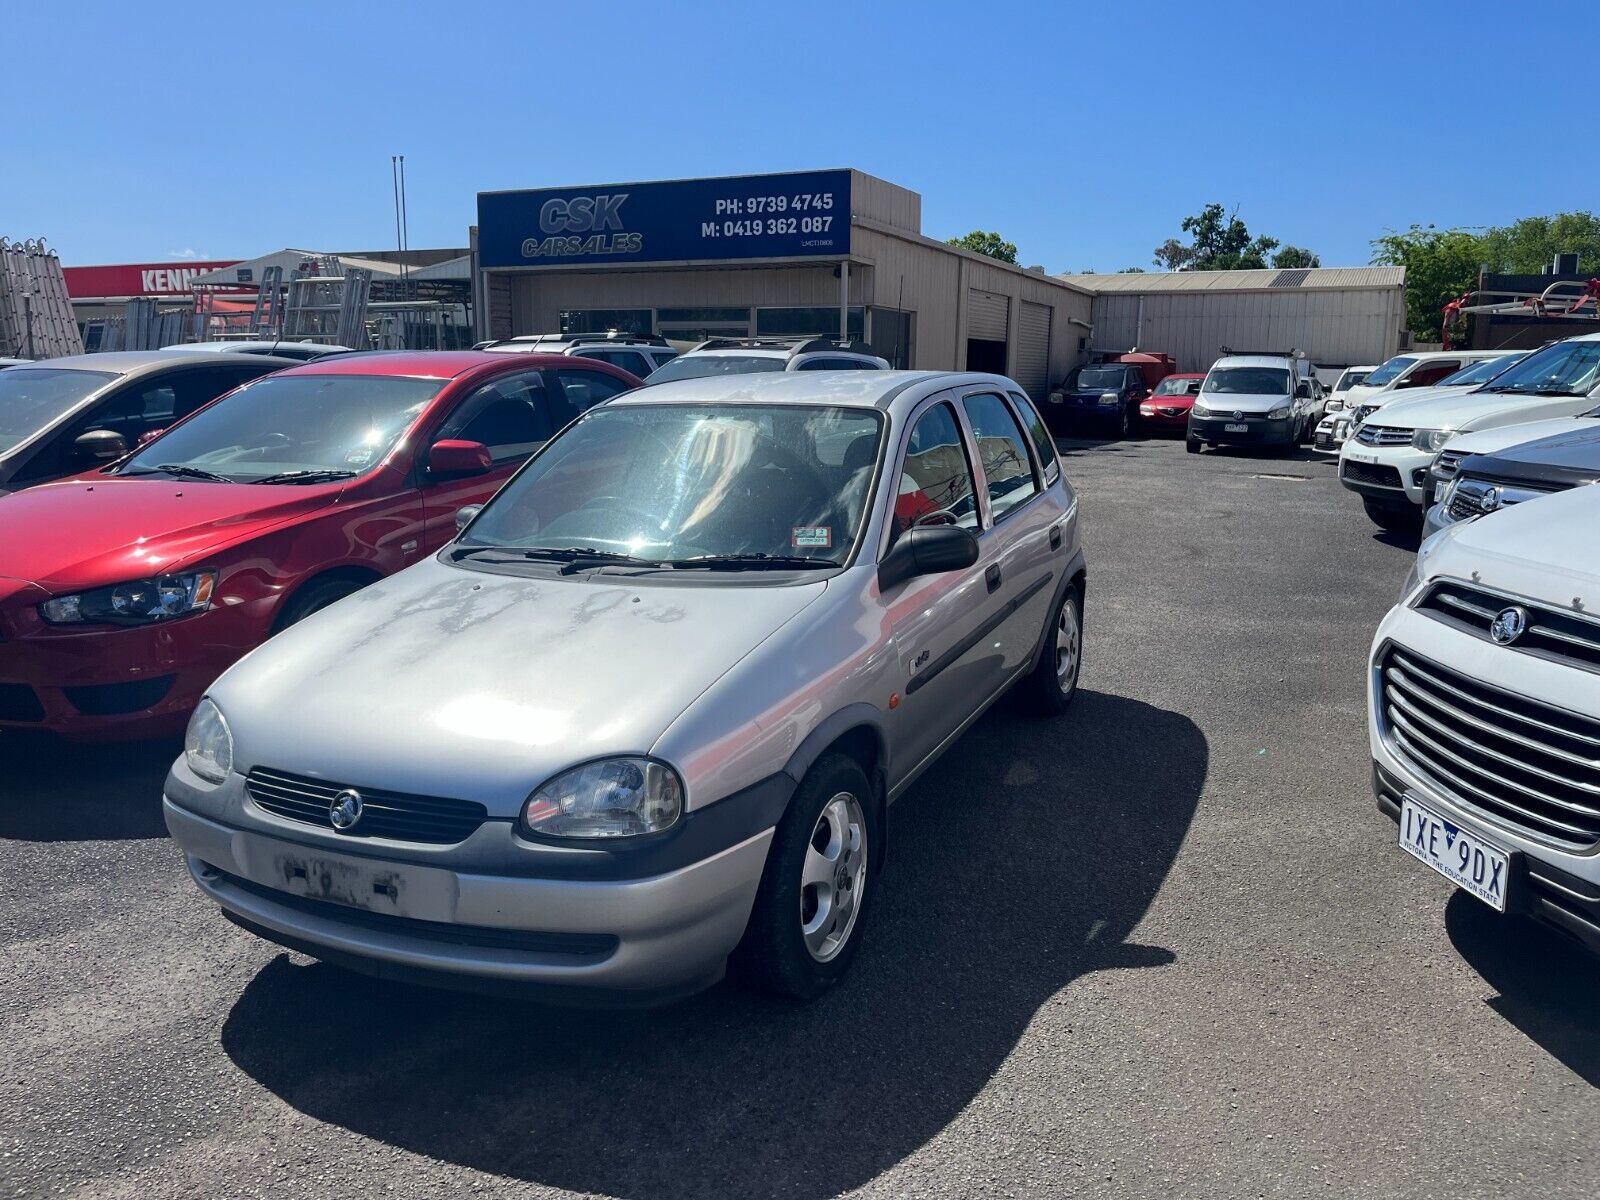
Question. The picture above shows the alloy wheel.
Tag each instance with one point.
(1069, 643)
(833, 877)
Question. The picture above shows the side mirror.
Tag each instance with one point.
(100, 445)
(456, 459)
(465, 515)
(927, 550)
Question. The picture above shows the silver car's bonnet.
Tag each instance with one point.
(454, 682)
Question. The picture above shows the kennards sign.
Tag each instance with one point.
(796, 215)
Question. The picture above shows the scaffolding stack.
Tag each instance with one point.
(328, 303)
(36, 318)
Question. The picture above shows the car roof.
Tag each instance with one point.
(852, 389)
(747, 352)
(1252, 360)
(255, 347)
(425, 364)
(131, 362)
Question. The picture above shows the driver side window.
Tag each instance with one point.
(511, 416)
(936, 483)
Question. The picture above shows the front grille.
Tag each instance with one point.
(1365, 411)
(398, 815)
(1548, 633)
(1529, 764)
(1384, 435)
(1448, 463)
(19, 702)
(1478, 497)
(1375, 474)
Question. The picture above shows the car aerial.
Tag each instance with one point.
(758, 355)
(1549, 456)
(1168, 405)
(648, 712)
(637, 354)
(1105, 397)
(298, 351)
(1387, 460)
(1253, 400)
(125, 592)
(1404, 372)
(67, 415)
(1484, 710)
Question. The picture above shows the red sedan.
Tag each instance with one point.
(124, 593)
(1168, 406)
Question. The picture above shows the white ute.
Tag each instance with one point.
(1484, 710)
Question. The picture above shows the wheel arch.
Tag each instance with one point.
(855, 731)
(354, 573)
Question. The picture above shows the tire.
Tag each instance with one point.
(314, 598)
(1050, 687)
(794, 944)
(1392, 519)
(1191, 444)
(1124, 424)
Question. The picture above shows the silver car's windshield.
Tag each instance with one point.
(33, 397)
(1249, 381)
(684, 482)
(699, 366)
(292, 428)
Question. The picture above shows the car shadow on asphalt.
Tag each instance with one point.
(1010, 875)
(59, 791)
(1547, 983)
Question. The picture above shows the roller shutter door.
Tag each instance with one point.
(987, 315)
(1033, 349)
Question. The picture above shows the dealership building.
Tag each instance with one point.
(768, 255)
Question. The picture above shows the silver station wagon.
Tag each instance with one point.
(643, 719)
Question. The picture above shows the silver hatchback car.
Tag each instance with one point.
(645, 715)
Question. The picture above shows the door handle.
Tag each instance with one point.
(992, 576)
(1055, 537)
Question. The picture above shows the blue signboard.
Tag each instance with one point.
(799, 215)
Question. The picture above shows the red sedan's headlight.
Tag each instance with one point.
(142, 602)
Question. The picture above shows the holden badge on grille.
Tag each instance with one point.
(345, 809)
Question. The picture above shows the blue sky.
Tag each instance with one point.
(1082, 132)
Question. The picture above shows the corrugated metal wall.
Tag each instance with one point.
(988, 315)
(1343, 326)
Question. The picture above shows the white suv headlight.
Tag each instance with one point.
(208, 743)
(1281, 413)
(609, 798)
(1431, 440)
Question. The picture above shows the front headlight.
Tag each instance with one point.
(208, 743)
(1109, 399)
(142, 602)
(1431, 440)
(1335, 404)
(1281, 413)
(614, 797)
(1200, 410)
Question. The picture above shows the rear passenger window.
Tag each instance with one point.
(631, 361)
(1003, 450)
(1042, 442)
(935, 478)
(585, 389)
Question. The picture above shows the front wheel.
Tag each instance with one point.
(806, 924)
(1390, 518)
(1191, 444)
(1053, 682)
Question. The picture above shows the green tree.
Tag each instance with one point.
(991, 244)
(1440, 265)
(1220, 241)
(1131, 271)
(1295, 257)
(1528, 246)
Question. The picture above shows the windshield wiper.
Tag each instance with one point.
(316, 476)
(181, 471)
(750, 562)
(1556, 391)
(573, 558)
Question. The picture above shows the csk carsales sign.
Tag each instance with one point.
(137, 279)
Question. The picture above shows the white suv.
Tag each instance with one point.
(637, 354)
(1387, 460)
(750, 355)
(1484, 710)
(1405, 372)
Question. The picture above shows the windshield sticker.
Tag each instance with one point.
(811, 537)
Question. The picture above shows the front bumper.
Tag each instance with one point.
(487, 912)
(1154, 418)
(1395, 473)
(1558, 884)
(1258, 431)
(108, 682)
(1435, 520)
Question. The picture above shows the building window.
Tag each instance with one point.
(603, 320)
(789, 322)
(891, 336)
(712, 316)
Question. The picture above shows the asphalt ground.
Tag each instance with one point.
(1165, 946)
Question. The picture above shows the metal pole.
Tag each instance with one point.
(844, 300)
(27, 321)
